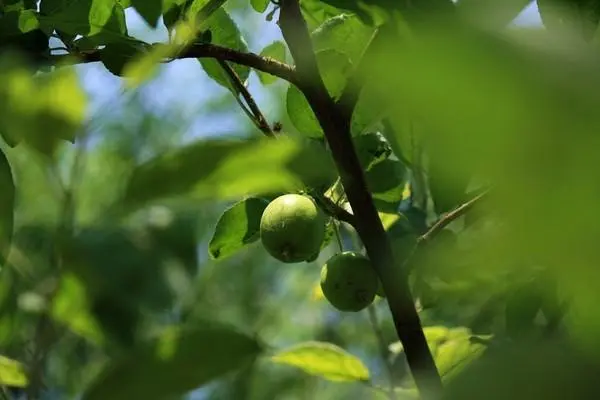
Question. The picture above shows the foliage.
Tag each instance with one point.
(130, 254)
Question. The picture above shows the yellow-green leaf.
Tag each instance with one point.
(325, 360)
(12, 373)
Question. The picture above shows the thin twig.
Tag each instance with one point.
(383, 349)
(336, 127)
(451, 216)
(333, 209)
(203, 50)
(258, 118)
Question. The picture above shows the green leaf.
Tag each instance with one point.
(178, 360)
(115, 56)
(230, 169)
(490, 13)
(7, 205)
(12, 373)
(150, 10)
(260, 5)
(386, 181)
(316, 12)
(571, 16)
(56, 112)
(371, 148)
(277, 51)
(226, 33)
(70, 306)
(324, 360)
(522, 306)
(334, 68)
(103, 19)
(452, 348)
(344, 33)
(238, 226)
(447, 185)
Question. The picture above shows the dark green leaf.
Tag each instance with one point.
(334, 68)
(571, 16)
(102, 19)
(371, 148)
(230, 169)
(324, 360)
(7, 205)
(116, 55)
(238, 226)
(226, 33)
(448, 186)
(386, 181)
(260, 5)
(150, 10)
(277, 51)
(178, 360)
(522, 306)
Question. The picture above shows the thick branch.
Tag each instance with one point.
(336, 126)
(205, 50)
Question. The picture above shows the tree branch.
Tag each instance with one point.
(206, 50)
(450, 217)
(336, 127)
(257, 116)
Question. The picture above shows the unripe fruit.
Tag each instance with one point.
(349, 282)
(292, 228)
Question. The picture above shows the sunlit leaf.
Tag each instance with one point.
(277, 51)
(238, 226)
(225, 32)
(176, 361)
(12, 373)
(259, 5)
(324, 360)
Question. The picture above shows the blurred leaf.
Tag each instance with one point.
(260, 5)
(523, 304)
(527, 370)
(491, 14)
(277, 51)
(150, 10)
(178, 360)
(70, 306)
(334, 68)
(230, 169)
(57, 111)
(226, 33)
(238, 226)
(12, 373)
(448, 187)
(324, 360)
(102, 19)
(7, 206)
(571, 16)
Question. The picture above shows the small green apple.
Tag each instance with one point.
(349, 282)
(292, 228)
